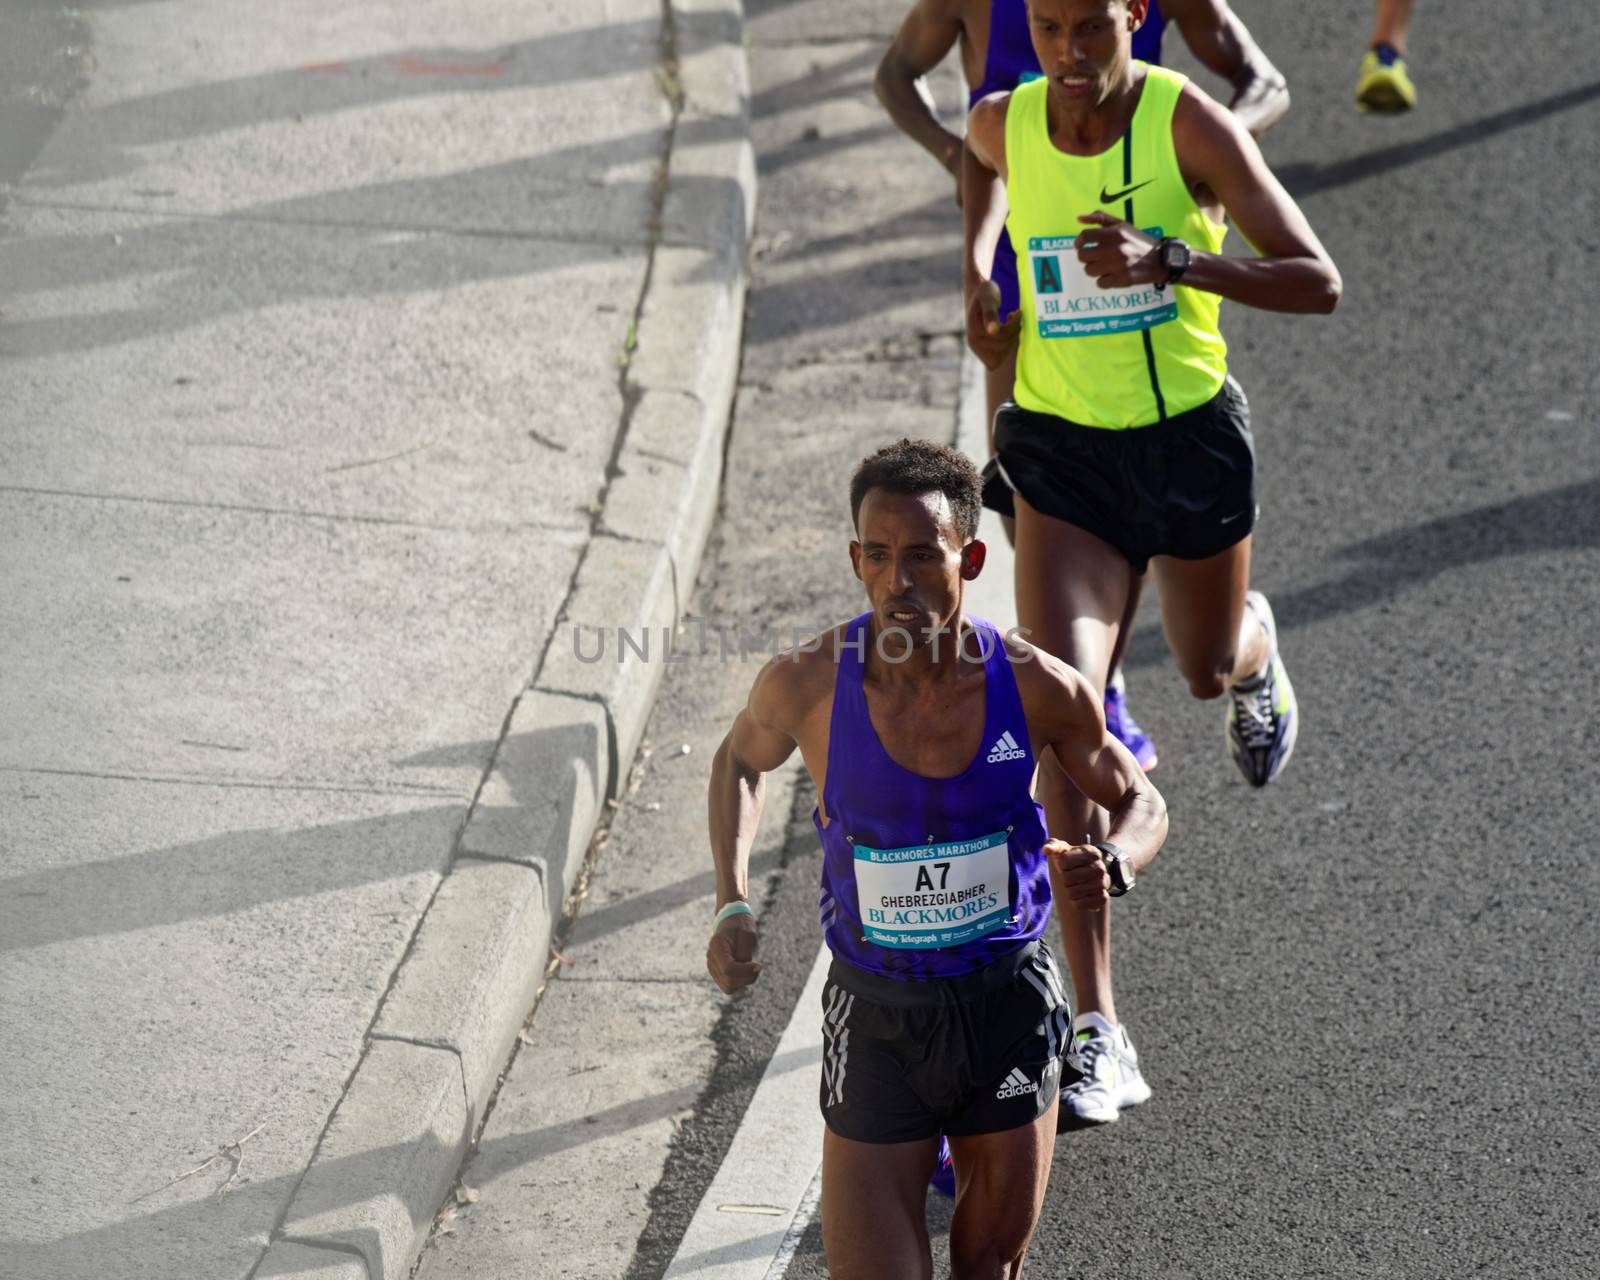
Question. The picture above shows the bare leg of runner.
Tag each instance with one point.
(1072, 593)
(1119, 720)
(873, 1207)
(1224, 638)
(998, 385)
(1000, 1182)
(1393, 24)
(1135, 594)
(1385, 84)
(1214, 641)
(997, 388)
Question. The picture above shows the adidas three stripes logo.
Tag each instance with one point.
(1005, 748)
(1016, 1084)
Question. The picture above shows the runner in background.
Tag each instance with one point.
(997, 54)
(1127, 442)
(1385, 85)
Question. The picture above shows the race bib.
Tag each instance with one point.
(934, 895)
(1067, 303)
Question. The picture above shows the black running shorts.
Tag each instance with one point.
(1185, 487)
(981, 1053)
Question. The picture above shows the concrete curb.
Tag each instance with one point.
(445, 1030)
(386, 1161)
(307, 1262)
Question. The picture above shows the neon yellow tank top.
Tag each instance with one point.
(1107, 357)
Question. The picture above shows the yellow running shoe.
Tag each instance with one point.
(1385, 85)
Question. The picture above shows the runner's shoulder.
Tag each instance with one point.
(990, 110)
(1045, 683)
(1199, 120)
(987, 119)
(986, 129)
(795, 681)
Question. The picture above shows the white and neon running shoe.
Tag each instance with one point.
(1108, 1073)
(1263, 718)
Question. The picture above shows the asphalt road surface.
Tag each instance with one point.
(1365, 997)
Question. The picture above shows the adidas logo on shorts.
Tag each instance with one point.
(1016, 1084)
(1005, 748)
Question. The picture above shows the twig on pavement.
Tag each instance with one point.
(231, 1151)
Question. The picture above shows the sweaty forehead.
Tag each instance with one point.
(890, 517)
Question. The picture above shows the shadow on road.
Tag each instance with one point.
(324, 88)
(413, 235)
(387, 239)
(239, 870)
(1557, 520)
(1303, 178)
(220, 876)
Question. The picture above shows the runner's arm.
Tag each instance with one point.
(1223, 43)
(1293, 272)
(1103, 769)
(928, 33)
(983, 217)
(754, 746)
(1068, 718)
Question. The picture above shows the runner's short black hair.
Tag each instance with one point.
(921, 466)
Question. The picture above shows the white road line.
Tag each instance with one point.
(797, 1229)
(758, 1205)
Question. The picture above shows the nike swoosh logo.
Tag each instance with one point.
(1232, 518)
(1114, 196)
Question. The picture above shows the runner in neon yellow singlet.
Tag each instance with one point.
(996, 53)
(1161, 351)
(1128, 444)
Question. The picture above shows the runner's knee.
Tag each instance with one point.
(989, 1255)
(1207, 680)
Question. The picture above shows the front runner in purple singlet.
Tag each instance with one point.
(944, 1011)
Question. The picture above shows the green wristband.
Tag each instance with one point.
(731, 910)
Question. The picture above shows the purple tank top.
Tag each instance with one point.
(1010, 60)
(928, 878)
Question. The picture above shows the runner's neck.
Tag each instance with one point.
(929, 662)
(1091, 131)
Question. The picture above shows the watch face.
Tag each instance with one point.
(1177, 257)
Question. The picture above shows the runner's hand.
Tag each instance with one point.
(1117, 254)
(731, 953)
(1082, 873)
(990, 340)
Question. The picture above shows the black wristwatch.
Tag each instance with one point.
(1174, 255)
(1119, 865)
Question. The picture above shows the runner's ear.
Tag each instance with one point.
(973, 556)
